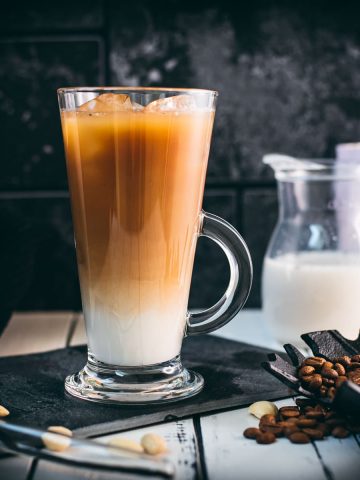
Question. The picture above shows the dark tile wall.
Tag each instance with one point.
(288, 74)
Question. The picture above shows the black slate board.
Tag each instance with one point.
(32, 388)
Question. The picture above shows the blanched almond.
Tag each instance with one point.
(4, 412)
(126, 444)
(61, 430)
(153, 444)
(55, 442)
(259, 409)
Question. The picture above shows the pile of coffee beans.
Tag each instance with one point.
(323, 377)
(302, 423)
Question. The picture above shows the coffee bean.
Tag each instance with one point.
(340, 380)
(265, 438)
(306, 370)
(314, 433)
(292, 420)
(286, 423)
(315, 413)
(344, 360)
(289, 430)
(299, 437)
(331, 392)
(323, 391)
(340, 432)
(354, 365)
(315, 362)
(272, 428)
(355, 358)
(306, 422)
(268, 418)
(325, 429)
(315, 383)
(354, 376)
(335, 422)
(289, 412)
(251, 432)
(329, 373)
(328, 365)
(328, 382)
(340, 369)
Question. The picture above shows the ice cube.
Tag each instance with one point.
(178, 103)
(108, 102)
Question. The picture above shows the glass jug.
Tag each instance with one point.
(311, 273)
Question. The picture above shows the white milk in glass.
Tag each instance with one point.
(312, 291)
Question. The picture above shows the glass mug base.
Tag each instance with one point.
(164, 382)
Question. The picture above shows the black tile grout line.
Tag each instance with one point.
(201, 469)
(32, 469)
(28, 194)
(45, 36)
(327, 471)
(210, 187)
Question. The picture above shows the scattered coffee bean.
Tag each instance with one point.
(328, 382)
(309, 420)
(328, 365)
(329, 373)
(289, 430)
(268, 419)
(340, 380)
(331, 392)
(323, 391)
(325, 429)
(335, 421)
(277, 430)
(316, 414)
(299, 437)
(354, 376)
(306, 422)
(315, 382)
(251, 432)
(340, 369)
(306, 370)
(345, 360)
(265, 438)
(340, 432)
(289, 412)
(314, 362)
(314, 433)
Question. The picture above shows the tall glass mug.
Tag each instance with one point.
(136, 162)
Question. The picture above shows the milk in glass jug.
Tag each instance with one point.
(311, 274)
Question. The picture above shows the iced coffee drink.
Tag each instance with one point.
(136, 179)
(136, 161)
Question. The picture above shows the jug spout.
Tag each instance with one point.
(286, 165)
(290, 168)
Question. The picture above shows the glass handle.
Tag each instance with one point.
(241, 274)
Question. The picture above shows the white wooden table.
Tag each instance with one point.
(207, 447)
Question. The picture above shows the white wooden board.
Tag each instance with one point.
(179, 436)
(35, 332)
(229, 455)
